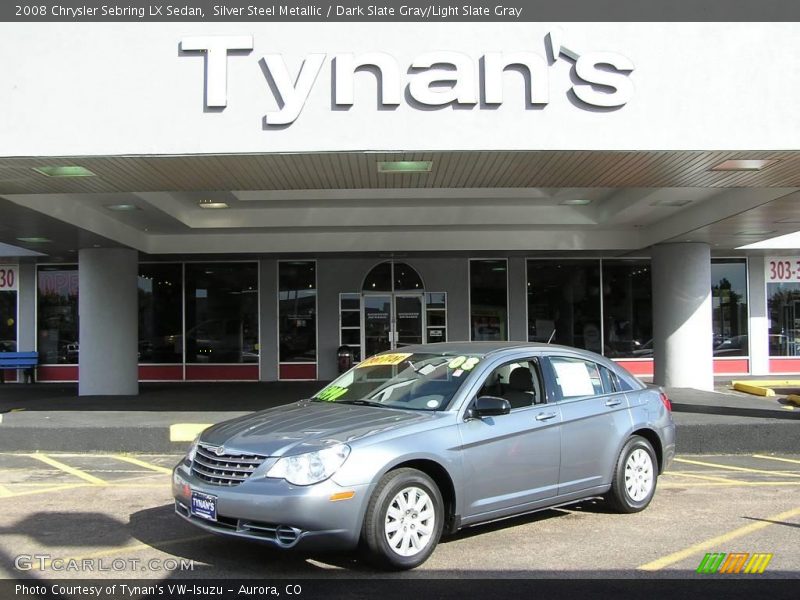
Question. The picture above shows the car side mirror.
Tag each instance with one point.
(490, 406)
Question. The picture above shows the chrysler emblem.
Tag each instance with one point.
(220, 450)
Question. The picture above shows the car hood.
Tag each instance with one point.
(307, 426)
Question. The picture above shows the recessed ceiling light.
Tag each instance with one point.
(122, 207)
(212, 204)
(65, 171)
(576, 202)
(755, 232)
(34, 240)
(405, 166)
(743, 164)
(671, 203)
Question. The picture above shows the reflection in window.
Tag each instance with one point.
(379, 279)
(160, 314)
(297, 311)
(783, 302)
(8, 321)
(729, 307)
(350, 323)
(488, 286)
(221, 313)
(406, 278)
(627, 309)
(564, 303)
(57, 314)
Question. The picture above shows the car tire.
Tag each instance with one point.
(404, 520)
(635, 476)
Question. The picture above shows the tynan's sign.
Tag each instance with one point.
(433, 78)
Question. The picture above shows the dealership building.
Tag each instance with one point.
(238, 201)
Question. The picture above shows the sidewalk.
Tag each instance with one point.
(52, 417)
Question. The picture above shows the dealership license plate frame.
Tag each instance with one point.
(203, 513)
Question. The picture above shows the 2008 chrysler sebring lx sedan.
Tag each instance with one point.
(426, 440)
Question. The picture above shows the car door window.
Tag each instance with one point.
(576, 378)
(519, 382)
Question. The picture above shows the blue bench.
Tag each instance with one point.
(25, 361)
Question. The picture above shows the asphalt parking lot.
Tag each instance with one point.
(112, 515)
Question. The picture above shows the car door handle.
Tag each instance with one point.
(545, 416)
(614, 402)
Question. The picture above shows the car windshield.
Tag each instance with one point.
(402, 380)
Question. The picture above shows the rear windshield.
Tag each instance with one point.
(402, 380)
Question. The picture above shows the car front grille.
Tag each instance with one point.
(228, 468)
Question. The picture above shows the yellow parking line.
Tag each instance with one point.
(141, 463)
(788, 460)
(706, 477)
(133, 548)
(710, 484)
(67, 469)
(733, 468)
(4, 492)
(715, 542)
(55, 488)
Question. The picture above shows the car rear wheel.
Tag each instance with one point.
(635, 476)
(404, 520)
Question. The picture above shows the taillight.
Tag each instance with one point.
(667, 403)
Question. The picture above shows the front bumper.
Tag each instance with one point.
(276, 512)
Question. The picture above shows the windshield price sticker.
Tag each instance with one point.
(382, 360)
(331, 393)
(463, 363)
(782, 268)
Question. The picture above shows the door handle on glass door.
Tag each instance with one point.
(545, 416)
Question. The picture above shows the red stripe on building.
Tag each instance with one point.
(636, 367)
(297, 371)
(784, 365)
(57, 373)
(247, 372)
(161, 372)
(731, 367)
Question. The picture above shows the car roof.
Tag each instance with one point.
(481, 348)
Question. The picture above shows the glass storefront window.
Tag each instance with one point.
(564, 302)
(729, 307)
(8, 321)
(436, 316)
(627, 309)
(350, 323)
(222, 313)
(57, 314)
(783, 305)
(488, 287)
(160, 314)
(297, 311)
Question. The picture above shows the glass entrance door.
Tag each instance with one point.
(392, 321)
(408, 320)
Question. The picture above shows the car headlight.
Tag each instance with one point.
(192, 451)
(311, 467)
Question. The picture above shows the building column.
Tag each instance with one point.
(758, 327)
(108, 312)
(517, 299)
(26, 307)
(682, 332)
(268, 309)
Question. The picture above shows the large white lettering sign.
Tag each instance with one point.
(431, 78)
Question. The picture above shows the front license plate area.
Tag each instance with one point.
(204, 506)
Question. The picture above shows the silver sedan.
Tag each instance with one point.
(418, 443)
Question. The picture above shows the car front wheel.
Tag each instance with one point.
(635, 476)
(404, 520)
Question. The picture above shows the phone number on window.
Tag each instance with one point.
(782, 268)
